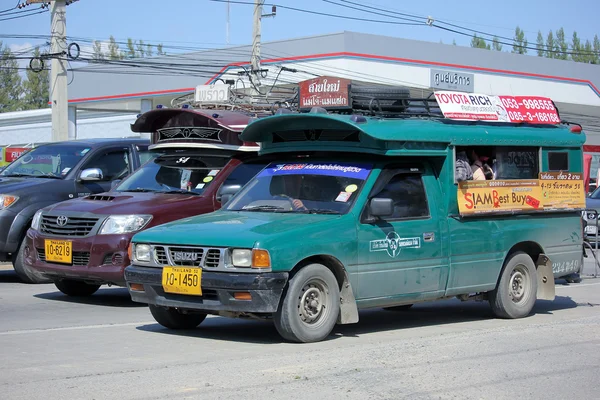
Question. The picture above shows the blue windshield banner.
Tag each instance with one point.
(358, 171)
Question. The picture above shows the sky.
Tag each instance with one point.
(202, 23)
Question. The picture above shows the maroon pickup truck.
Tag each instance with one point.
(81, 244)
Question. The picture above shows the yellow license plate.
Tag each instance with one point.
(182, 280)
(60, 251)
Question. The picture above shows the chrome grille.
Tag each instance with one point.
(74, 226)
(213, 258)
(160, 256)
(80, 258)
(186, 256)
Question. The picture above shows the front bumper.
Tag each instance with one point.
(99, 259)
(217, 291)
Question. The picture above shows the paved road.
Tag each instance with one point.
(107, 347)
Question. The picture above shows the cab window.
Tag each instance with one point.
(496, 162)
(558, 161)
(114, 164)
(408, 193)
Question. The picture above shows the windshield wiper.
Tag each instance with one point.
(140, 190)
(32, 176)
(181, 191)
(264, 207)
(319, 211)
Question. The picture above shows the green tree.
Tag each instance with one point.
(479, 43)
(453, 42)
(130, 48)
(576, 48)
(141, 49)
(11, 91)
(496, 44)
(113, 49)
(149, 50)
(550, 45)
(560, 45)
(539, 45)
(37, 87)
(596, 49)
(97, 54)
(519, 42)
(159, 50)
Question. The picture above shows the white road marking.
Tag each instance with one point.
(72, 328)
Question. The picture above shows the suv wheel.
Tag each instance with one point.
(310, 307)
(25, 272)
(76, 288)
(171, 318)
(515, 294)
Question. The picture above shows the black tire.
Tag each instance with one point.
(388, 98)
(403, 307)
(515, 294)
(24, 271)
(173, 319)
(76, 288)
(313, 321)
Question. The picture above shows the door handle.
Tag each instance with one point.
(429, 237)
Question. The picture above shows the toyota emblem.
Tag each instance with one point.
(62, 220)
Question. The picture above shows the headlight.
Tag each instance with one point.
(7, 200)
(116, 224)
(142, 252)
(35, 222)
(241, 258)
(255, 258)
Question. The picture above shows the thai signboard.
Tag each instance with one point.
(324, 91)
(482, 107)
(451, 80)
(552, 191)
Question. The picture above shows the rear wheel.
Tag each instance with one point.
(171, 318)
(310, 307)
(76, 288)
(25, 272)
(515, 294)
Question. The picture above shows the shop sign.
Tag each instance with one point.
(12, 153)
(451, 80)
(218, 93)
(325, 91)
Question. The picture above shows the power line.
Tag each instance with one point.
(10, 9)
(23, 16)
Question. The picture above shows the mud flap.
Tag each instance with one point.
(546, 289)
(348, 310)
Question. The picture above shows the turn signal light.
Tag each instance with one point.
(130, 252)
(261, 259)
(242, 296)
(138, 287)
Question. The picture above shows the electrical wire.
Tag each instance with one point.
(10, 9)
(23, 16)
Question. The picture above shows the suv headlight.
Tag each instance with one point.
(255, 258)
(35, 222)
(7, 200)
(142, 252)
(116, 224)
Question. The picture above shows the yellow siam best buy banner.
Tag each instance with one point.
(553, 191)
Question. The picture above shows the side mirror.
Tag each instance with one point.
(115, 183)
(91, 174)
(381, 207)
(226, 192)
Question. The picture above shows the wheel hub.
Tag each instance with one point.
(519, 282)
(311, 303)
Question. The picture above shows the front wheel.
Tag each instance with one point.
(515, 294)
(310, 307)
(76, 288)
(24, 271)
(171, 318)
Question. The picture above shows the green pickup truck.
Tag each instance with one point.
(356, 212)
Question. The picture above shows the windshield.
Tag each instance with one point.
(314, 187)
(174, 174)
(595, 194)
(47, 161)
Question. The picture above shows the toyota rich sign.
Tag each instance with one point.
(452, 80)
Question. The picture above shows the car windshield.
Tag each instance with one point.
(595, 194)
(191, 174)
(312, 187)
(53, 161)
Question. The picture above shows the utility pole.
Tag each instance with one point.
(227, 24)
(58, 71)
(255, 73)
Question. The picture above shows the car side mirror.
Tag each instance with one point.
(91, 174)
(381, 207)
(115, 183)
(226, 192)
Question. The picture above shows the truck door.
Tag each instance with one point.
(402, 254)
(113, 163)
